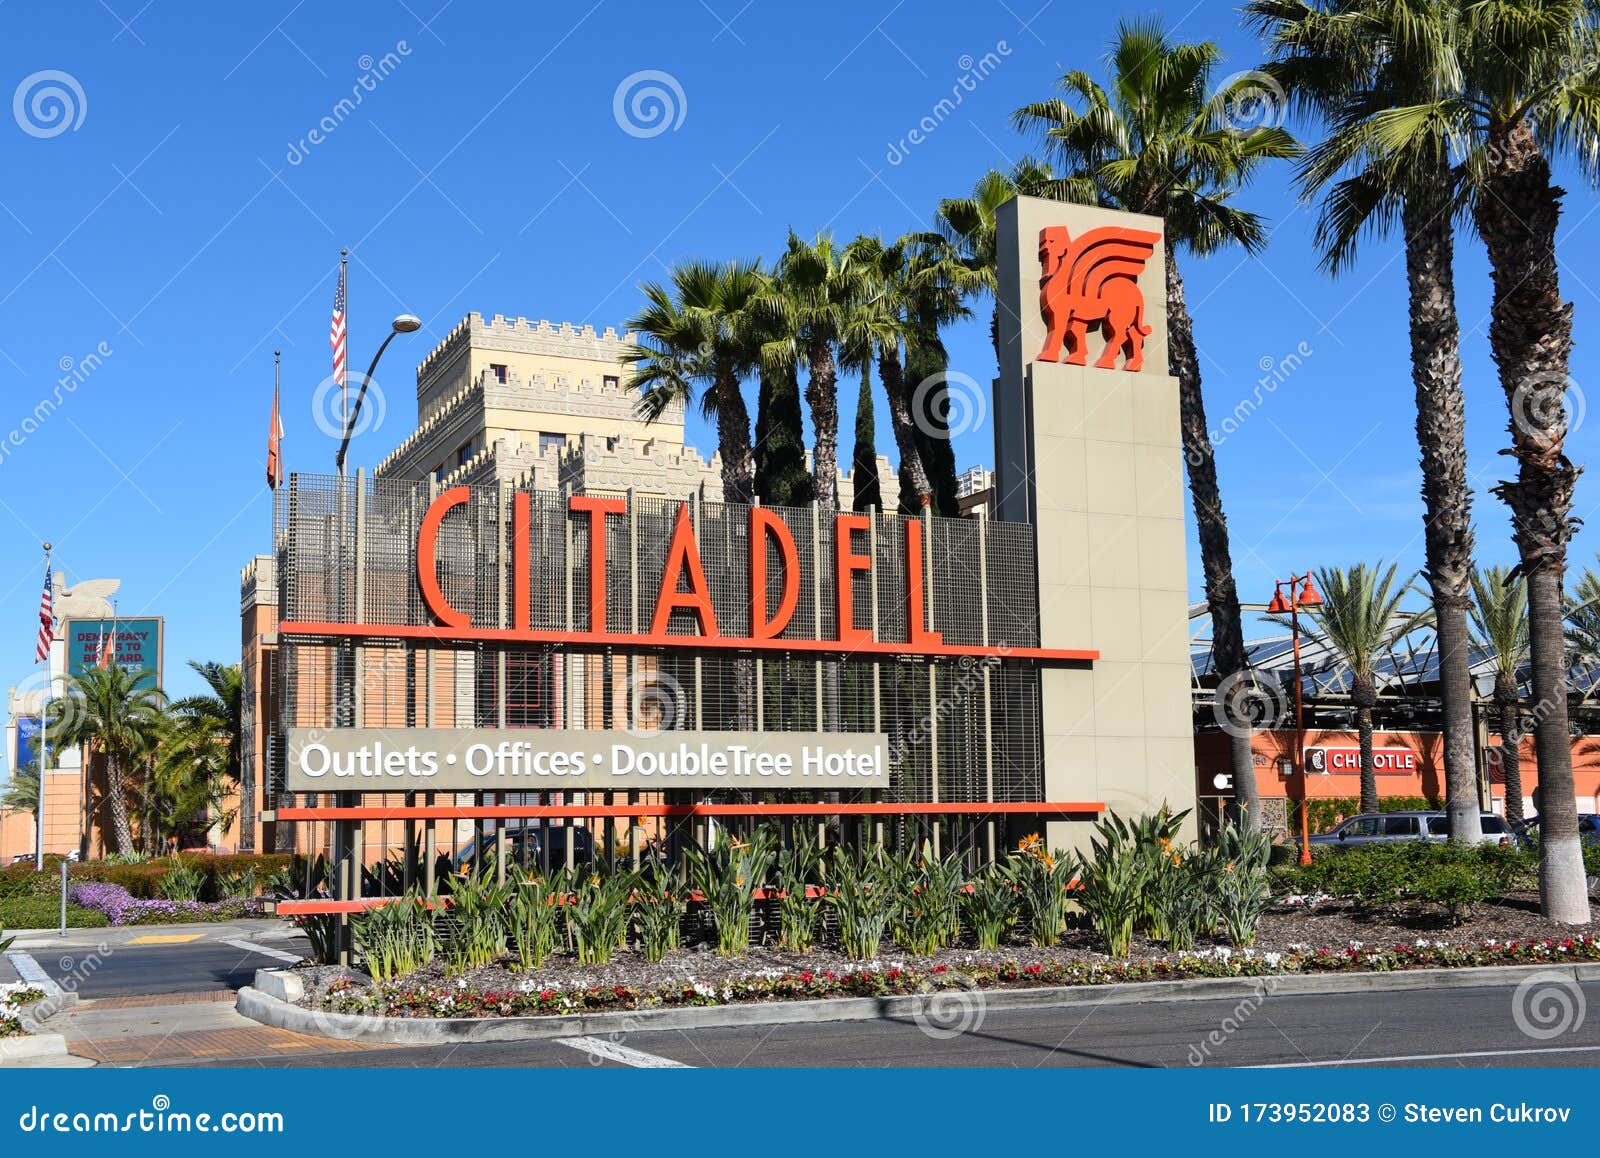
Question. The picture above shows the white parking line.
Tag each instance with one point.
(1417, 1057)
(611, 1051)
(267, 951)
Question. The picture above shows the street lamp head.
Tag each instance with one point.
(1309, 596)
(1279, 604)
(407, 324)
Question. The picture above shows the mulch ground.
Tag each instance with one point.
(1305, 929)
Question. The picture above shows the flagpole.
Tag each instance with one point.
(44, 726)
(344, 384)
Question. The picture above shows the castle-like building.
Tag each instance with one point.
(544, 407)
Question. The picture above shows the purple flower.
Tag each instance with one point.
(120, 907)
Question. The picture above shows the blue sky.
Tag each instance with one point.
(188, 226)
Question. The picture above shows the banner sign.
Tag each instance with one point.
(27, 743)
(136, 644)
(565, 760)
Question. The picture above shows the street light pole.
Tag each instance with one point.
(1302, 593)
(404, 324)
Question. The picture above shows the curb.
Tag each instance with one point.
(55, 998)
(271, 1002)
(32, 1045)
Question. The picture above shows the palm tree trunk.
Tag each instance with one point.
(1216, 561)
(905, 435)
(1446, 494)
(822, 396)
(1361, 692)
(121, 830)
(1505, 694)
(1530, 334)
(733, 440)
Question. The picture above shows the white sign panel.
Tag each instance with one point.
(561, 760)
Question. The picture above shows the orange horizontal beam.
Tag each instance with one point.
(583, 811)
(884, 648)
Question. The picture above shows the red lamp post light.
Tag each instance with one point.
(1301, 593)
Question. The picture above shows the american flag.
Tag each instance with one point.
(336, 330)
(47, 620)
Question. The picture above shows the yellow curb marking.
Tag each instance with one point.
(165, 939)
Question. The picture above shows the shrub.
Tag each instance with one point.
(1112, 885)
(726, 878)
(798, 866)
(658, 908)
(597, 915)
(1041, 882)
(990, 906)
(182, 882)
(924, 919)
(478, 912)
(857, 887)
(1181, 888)
(1452, 876)
(45, 913)
(534, 921)
(394, 939)
(237, 884)
(1243, 889)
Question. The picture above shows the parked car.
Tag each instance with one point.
(1394, 827)
(525, 846)
(1526, 832)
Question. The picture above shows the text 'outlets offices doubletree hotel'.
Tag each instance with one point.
(539, 614)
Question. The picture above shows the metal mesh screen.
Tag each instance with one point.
(960, 731)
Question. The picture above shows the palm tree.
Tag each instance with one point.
(1359, 619)
(875, 328)
(1500, 621)
(705, 331)
(22, 790)
(1532, 69)
(120, 713)
(200, 757)
(1353, 64)
(820, 285)
(968, 224)
(1157, 143)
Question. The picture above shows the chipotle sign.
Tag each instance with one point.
(1347, 761)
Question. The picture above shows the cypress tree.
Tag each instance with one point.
(864, 473)
(926, 357)
(781, 475)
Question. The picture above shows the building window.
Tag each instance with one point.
(611, 382)
(499, 371)
(552, 443)
(464, 454)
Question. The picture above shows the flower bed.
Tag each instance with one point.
(122, 908)
(345, 994)
(13, 997)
